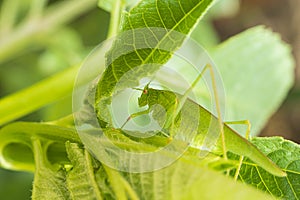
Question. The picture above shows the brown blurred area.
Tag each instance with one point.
(281, 16)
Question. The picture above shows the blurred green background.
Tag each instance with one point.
(57, 46)
(283, 17)
(45, 53)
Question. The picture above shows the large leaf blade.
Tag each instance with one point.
(257, 69)
(81, 180)
(184, 180)
(286, 155)
(138, 22)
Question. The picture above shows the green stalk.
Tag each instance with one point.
(36, 96)
(15, 136)
(115, 18)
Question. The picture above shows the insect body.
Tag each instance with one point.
(170, 102)
(234, 142)
(166, 100)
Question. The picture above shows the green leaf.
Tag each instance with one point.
(257, 69)
(49, 182)
(187, 178)
(178, 15)
(286, 155)
(205, 34)
(81, 181)
(184, 180)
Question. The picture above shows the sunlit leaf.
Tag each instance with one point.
(285, 154)
(81, 180)
(257, 69)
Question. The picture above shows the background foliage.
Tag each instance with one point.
(65, 39)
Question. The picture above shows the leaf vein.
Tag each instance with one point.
(159, 15)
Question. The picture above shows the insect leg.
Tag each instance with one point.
(248, 124)
(219, 116)
(215, 93)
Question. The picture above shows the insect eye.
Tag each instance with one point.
(145, 91)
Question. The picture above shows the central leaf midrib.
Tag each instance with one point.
(170, 30)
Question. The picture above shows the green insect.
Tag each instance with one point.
(229, 140)
(151, 97)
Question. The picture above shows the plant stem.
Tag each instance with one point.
(64, 121)
(36, 96)
(49, 90)
(115, 18)
(22, 133)
(26, 33)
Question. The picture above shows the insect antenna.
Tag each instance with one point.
(138, 89)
